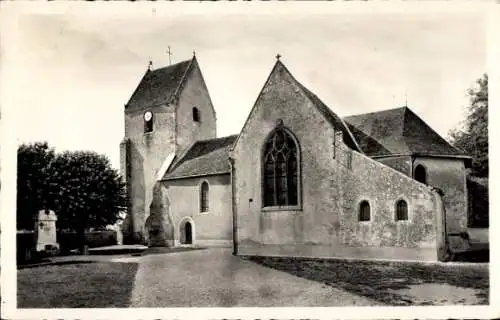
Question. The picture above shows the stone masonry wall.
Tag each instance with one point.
(147, 151)
(382, 187)
(282, 99)
(194, 94)
(214, 226)
(449, 175)
(330, 190)
(401, 164)
(173, 131)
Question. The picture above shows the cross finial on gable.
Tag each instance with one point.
(278, 56)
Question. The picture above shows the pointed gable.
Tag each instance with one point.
(397, 131)
(159, 86)
(335, 121)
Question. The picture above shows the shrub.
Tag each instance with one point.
(478, 202)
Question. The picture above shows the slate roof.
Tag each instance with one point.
(158, 86)
(204, 157)
(397, 131)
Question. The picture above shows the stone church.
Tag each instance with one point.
(297, 180)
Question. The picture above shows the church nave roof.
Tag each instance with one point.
(204, 157)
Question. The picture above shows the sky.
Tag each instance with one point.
(75, 69)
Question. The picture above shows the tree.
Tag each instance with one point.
(91, 193)
(33, 166)
(473, 136)
(81, 187)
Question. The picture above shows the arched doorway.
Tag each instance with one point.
(186, 232)
(420, 175)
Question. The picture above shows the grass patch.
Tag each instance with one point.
(379, 279)
(76, 285)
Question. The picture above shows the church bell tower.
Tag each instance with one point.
(169, 110)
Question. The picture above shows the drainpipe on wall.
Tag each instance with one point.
(233, 208)
(413, 158)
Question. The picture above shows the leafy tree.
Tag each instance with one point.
(33, 166)
(81, 187)
(473, 136)
(91, 193)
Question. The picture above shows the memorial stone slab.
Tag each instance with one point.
(46, 236)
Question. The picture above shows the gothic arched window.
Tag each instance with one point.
(280, 161)
(204, 197)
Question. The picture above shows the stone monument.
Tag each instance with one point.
(159, 226)
(46, 233)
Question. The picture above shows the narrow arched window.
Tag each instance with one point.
(364, 211)
(280, 170)
(420, 174)
(401, 210)
(196, 114)
(204, 197)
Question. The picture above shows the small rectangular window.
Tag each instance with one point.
(196, 115)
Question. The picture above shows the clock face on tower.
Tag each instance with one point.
(148, 115)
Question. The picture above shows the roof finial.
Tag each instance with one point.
(150, 65)
(406, 98)
(194, 53)
(169, 56)
(278, 56)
